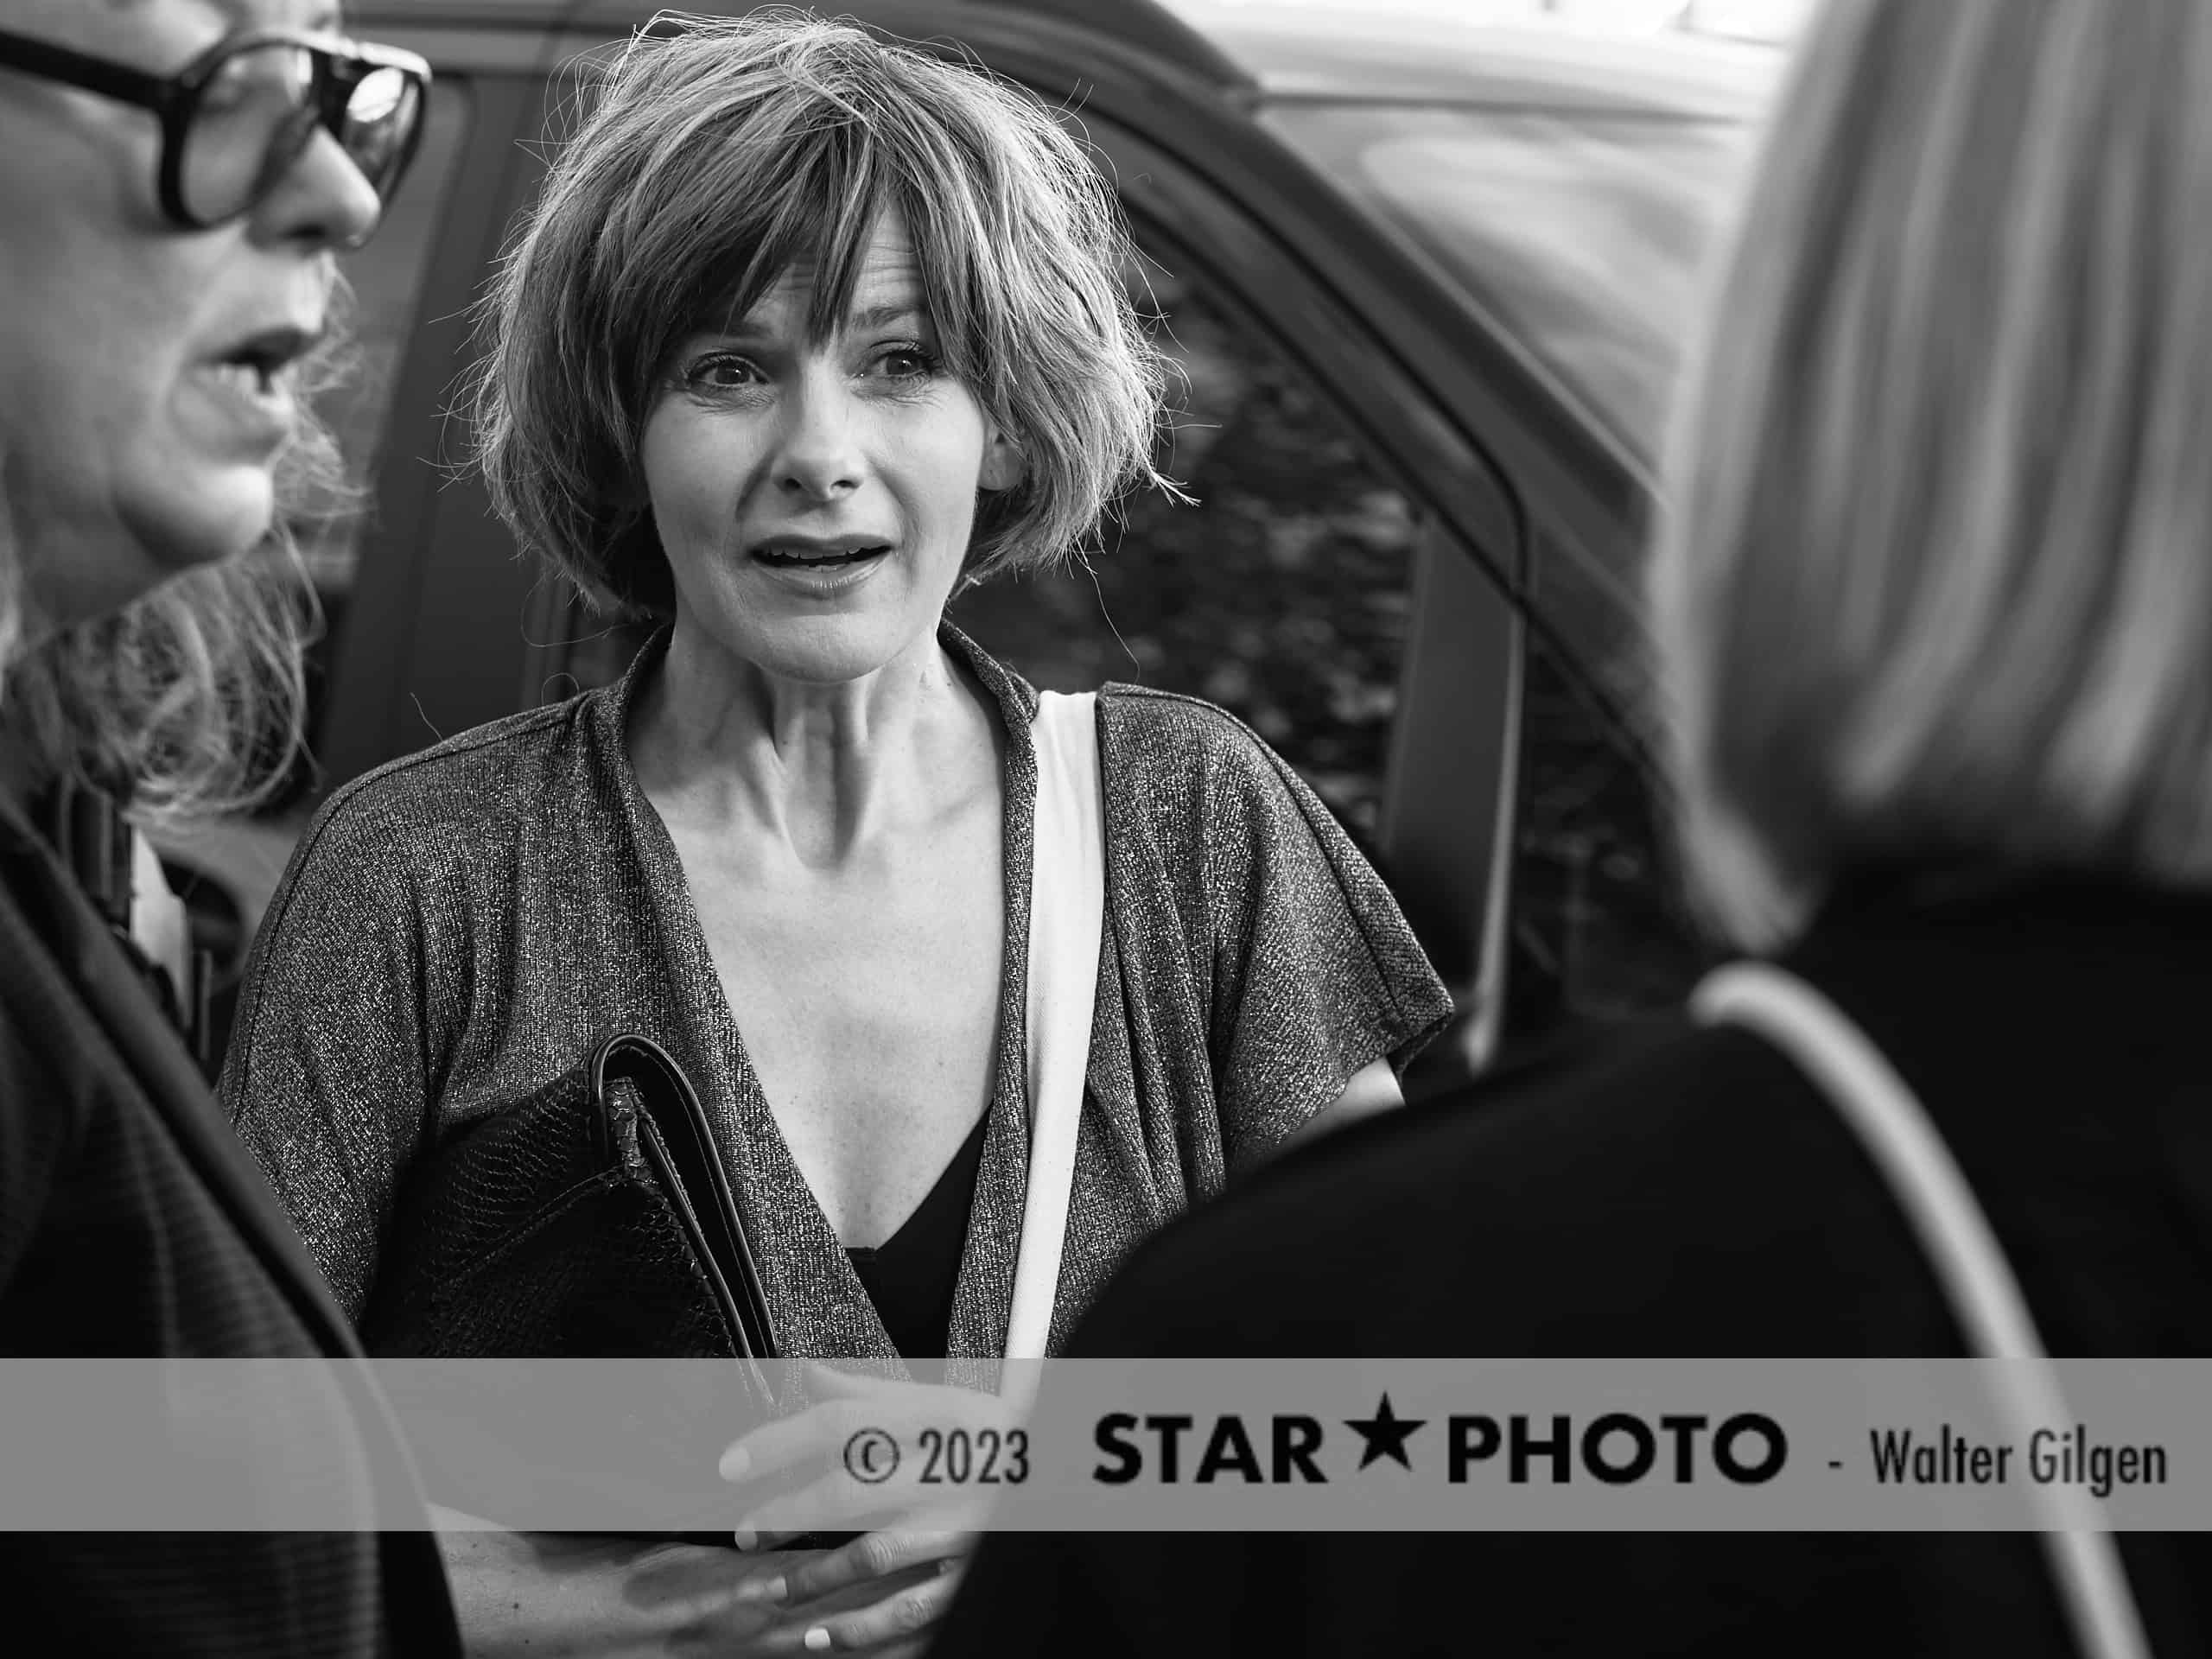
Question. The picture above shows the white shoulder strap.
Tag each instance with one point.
(1905, 1145)
(1067, 912)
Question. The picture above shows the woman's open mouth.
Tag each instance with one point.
(793, 558)
(244, 399)
(822, 565)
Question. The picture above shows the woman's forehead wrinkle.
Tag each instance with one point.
(879, 316)
(894, 298)
(889, 286)
(847, 276)
(883, 275)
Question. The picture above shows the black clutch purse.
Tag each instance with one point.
(592, 1220)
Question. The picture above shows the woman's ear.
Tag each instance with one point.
(1003, 464)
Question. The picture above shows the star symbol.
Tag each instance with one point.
(1385, 1433)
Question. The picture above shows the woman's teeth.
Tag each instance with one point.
(245, 377)
(781, 555)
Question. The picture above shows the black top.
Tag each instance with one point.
(132, 1225)
(1686, 1192)
(911, 1275)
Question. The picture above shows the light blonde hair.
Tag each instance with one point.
(191, 701)
(712, 156)
(1937, 578)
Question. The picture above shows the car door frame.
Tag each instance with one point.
(1443, 841)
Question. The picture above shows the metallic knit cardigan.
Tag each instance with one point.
(465, 924)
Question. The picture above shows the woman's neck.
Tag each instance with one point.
(827, 770)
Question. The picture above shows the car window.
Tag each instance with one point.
(1279, 592)
(1597, 929)
(1585, 233)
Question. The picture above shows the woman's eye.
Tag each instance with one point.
(907, 363)
(722, 374)
(229, 91)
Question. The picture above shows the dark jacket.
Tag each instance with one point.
(132, 1224)
(1688, 1194)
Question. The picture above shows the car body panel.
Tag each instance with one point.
(1496, 58)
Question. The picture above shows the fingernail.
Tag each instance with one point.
(770, 1591)
(743, 1539)
(817, 1639)
(735, 1463)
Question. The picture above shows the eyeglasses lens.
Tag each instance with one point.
(253, 116)
(380, 119)
(259, 111)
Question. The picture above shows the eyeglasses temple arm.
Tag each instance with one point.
(116, 80)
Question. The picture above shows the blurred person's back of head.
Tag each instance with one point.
(1937, 579)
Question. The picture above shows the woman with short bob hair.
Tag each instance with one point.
(1933, 608)
(805, 331)
(701, 174)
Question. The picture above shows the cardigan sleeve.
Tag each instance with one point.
(1316, 972)
(328, 1077)
(1307, 968)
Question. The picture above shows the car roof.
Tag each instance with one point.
(1141, 23)
(1493, 56)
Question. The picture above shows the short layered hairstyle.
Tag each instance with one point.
(1935, 580)
(710, 156)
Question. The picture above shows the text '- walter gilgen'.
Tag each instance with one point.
(2068, 1456)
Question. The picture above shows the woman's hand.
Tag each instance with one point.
(878, 1594)
(908, 1568)
(550, 1594)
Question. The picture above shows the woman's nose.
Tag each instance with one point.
(819, 458)
(323, 199)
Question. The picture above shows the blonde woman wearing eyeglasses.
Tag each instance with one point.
(175, 178)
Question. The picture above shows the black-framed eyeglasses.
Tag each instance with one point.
(236, 117)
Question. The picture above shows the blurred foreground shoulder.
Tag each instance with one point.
(1597, 1203)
